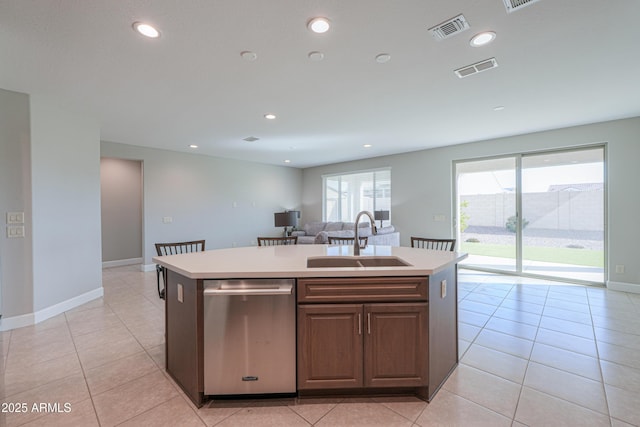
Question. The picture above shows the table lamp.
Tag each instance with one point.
(381, 215)
(285, 219)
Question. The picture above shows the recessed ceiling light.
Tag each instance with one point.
(193, 146)
(319, 25)
(248, 55)
(270, 116)
(482, 39)
(146, 30)
(287, 161)
(316, 56)
(367, 146)
(498, 108)
(382, 58)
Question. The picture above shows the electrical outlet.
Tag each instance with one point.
(438, 218)
(443, 289)
(167, 219)
(620, 269)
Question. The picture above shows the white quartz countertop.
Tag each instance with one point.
(291, 261)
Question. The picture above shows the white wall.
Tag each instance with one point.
(16, 282)
(121, 206)
(65, 177)
(226, 202)
(49, 169)
(422, 184)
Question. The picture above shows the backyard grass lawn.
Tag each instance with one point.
(585, 257)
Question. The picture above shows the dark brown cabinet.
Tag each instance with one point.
(362, 345)
(395, 345)
(366, 344)
(330, 346)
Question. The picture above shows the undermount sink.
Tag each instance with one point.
(389, 261)
(349, 261)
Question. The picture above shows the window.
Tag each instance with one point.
(347, 194)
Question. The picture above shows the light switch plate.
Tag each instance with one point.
(15, 231)
(15, 217)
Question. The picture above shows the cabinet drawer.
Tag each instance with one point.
(362, 289)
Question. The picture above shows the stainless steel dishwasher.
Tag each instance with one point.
(249, 336)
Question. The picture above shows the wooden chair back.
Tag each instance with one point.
(276, 241)
(347, 241)
(174, 249)
(437, 244)
(179, 247)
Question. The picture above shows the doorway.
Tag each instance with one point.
(535, 214)
(121, 193)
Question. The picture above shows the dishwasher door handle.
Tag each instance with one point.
(275, 290)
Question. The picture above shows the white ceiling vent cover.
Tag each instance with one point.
(476, 68)
(513, 5)
(449, 28)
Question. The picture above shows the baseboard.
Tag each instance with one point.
(121, 262)
(624, 287)
(148, 267)
(7, 323)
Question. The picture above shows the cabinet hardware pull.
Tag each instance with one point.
(359, 324)
(369, 323)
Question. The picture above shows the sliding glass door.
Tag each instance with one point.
(537, 214)
(563, 214)
(486, 202)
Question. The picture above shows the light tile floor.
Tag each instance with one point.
(531, 353)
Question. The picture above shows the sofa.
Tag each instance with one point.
(319, 232)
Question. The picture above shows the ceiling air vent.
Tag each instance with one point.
(250, 139)
(476, 68)
(449, 28)
(513, 5)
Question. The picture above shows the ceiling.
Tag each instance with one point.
(560, 63)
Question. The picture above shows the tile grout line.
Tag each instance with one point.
(595, 340)
(84, 375)
(526, 369)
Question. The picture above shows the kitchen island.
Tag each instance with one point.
(382, 322)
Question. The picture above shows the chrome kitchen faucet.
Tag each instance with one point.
(374, 230)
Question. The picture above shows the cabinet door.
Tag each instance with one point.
(329, 346)
(396, 345)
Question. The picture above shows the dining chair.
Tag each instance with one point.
(347, 240)
(277, 241)
(164, 249)
(437, 244)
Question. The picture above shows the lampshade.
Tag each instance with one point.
(381, 215)
(285, 219)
